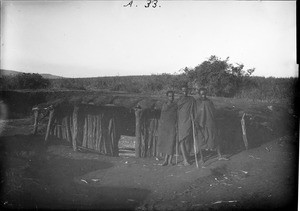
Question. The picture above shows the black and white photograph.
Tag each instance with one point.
(152, 105)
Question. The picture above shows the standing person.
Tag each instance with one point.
(167, 128)
(206, 125)
(185, 110)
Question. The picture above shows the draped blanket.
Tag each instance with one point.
(185, 110)
(167, 129)
(205, 124)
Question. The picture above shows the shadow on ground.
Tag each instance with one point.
(32, 179)
(262, 125)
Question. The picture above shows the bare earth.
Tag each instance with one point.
(35, 176)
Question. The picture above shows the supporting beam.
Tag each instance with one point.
(138, 114)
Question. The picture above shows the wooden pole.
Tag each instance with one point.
(98, 132)
(68, 128)
(63, 131)
(36, 112)
(101, 133)
(59, 132)
(110, 136)
(94, 132)
(50, 121)
(176, 146)
(151, 137)
(85, 132)
(75, 128)
(71, 126)
(138, 114)
(154, 138)
(143, 139)
(88, 131)
(244, 132)
(194, 137)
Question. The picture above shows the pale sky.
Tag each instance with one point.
(104, 38)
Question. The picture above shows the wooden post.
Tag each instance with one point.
(68, 128)
(36, 112)
(110, 136)
(59, 132)
(101, 132)
(85, 132)
(49, 124)
(144, 138)
(244, 131)
(90, 138)
(75, 128)
(94, 131)
(98, 131)
(138, 114)
(151, 138)
(155, 137)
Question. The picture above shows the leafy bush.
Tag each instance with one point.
(24, 81)
(219, 76)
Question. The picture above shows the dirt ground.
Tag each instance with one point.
(35, 176)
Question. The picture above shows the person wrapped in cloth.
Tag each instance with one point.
(185, 105)
(206, 126)
(167, 129)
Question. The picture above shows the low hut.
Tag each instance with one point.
(96, 123)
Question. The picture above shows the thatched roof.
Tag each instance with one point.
(129, 101)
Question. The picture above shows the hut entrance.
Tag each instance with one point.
(92, 128)
(127, 146)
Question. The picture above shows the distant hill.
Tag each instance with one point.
(13, 73)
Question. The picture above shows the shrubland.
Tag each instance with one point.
(219, 76)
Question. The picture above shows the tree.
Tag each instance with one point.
(220, 77)
(28, 81)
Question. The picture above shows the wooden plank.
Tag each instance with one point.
(50, 122)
